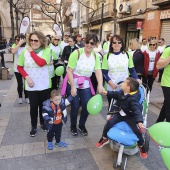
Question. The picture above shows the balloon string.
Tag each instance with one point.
(145, 131)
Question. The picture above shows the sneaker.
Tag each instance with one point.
(74, 130)
(83, 130)
(50, 145)
(60, 144)
(142, 151)
(33, 132)
(43, 128)
(27, 101)
(102, 142)
(20, 101)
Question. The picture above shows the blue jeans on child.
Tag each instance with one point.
(81, 99)
(55, 131)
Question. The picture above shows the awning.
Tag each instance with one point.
(95, 27)
(131, 18)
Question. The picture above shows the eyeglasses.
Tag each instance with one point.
(16, 39)
(91, 43)
(31, 40)
(116, 42)
(67, 35)
(57, 39)
(152, 45)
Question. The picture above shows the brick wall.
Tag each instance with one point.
(152, 24)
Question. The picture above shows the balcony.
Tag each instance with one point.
(160, 2)
(107, 12)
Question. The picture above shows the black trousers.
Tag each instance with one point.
(2, 60)
(94, 81)
(165, 111)
(20, 85)
(149, 80)
(130, 121)
(36, 99)
(55, 131)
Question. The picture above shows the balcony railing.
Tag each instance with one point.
(107, 12)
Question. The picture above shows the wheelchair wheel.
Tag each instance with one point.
(124, 161)
(115, 161)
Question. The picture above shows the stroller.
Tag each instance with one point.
(121, 137)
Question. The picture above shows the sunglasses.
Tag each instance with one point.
(31, 40)
(91, 43)
(70, 41)
(57, 39)
(16, 39)
(67, 35)
(116, 42)
(159, 42)
(152, 45)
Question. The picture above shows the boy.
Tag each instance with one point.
(127, 109)
(54, 111)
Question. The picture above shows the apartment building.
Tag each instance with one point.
(134, 19)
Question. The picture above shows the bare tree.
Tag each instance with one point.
(20, 7)
(52, 10)
(93, 11)
(12, 19)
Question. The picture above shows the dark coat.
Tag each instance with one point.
(128, 103)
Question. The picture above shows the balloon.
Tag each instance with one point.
(165, 153)
(160, 133)
(59, 70)
(95, 104)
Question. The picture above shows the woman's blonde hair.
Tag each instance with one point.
(54, 37)
(41, 37)
(155, 42)
(135, 43)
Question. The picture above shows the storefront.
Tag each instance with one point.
(165, 29)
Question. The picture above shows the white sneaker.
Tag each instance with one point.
(27, 101)
(20, 101)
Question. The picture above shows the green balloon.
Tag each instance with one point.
(160, 133)
(59, 70)
(165, 153)
(95, 104)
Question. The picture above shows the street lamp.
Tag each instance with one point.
(101, 26)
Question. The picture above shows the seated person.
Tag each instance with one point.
(128, 109)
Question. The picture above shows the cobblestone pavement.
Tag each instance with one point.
(18, 151)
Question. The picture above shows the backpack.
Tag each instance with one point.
(79, 52)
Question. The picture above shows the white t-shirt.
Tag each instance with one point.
(152, 56)
(117, 68)
(161, 48)
(144, 48)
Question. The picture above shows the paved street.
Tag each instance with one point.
(18, 151)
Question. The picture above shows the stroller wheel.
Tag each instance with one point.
(124, 161)
(115, 161)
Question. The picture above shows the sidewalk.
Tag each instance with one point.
(18, 151)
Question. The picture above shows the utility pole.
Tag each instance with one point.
(101, 26)
(115, 16)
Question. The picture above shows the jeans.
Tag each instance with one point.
(82, 97)
(55, 131)
(165, 111)
(36, 102)
(20, 85)
(129, 120)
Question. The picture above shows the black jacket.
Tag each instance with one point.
(67, 51)
(128, 103)
(138, 59)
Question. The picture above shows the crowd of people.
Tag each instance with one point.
(88, 66)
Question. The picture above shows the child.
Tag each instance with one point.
(127, 109)
(54, 111)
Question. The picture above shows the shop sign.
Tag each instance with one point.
(139, 24)
(165, 14)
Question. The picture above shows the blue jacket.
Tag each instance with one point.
(128, 103)
(48, 112)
